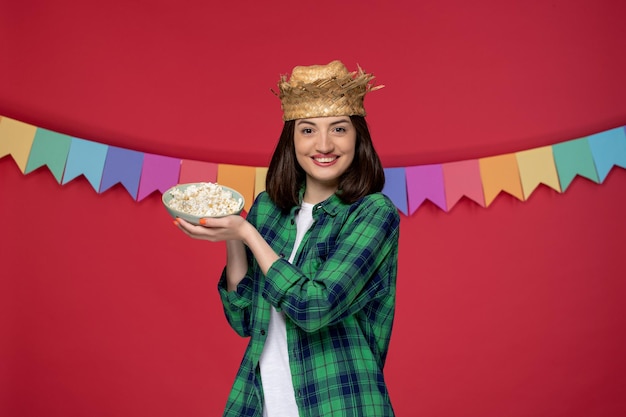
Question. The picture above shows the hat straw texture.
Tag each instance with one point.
(323, 91)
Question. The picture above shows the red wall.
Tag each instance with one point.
(106, 309)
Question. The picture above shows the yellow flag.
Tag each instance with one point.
(16, 139)
(536, 166)
(259, 181)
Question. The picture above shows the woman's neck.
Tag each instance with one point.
(317, 194)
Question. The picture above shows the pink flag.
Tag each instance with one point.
(197, 171)
(158, 173)
(463, 179)
(425, 182)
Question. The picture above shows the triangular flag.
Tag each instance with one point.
(425, 182)
(536, 166)
(51, 149)
(500, 173)
(16, 139)
(608, 149)
(157, 173)
(260, 175)
(463, 179)
(85, 158)
(122, 166)
(574, 158)
(395, 188)
(197, 171)
(240, 178)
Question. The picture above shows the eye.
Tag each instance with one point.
(306, 131)
(340, 129)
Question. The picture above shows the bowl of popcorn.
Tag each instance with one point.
(197, 200)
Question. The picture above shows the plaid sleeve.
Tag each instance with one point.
(237, 303)
(347, 279)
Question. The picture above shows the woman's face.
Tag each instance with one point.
(325, 148)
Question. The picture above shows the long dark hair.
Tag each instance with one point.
(285, 177)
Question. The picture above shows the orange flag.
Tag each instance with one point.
(239, 177)
(500, 173)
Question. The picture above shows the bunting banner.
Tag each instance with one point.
(480, 180)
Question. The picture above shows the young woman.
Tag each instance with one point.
(310, 273)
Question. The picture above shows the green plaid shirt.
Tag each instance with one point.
(338, 298)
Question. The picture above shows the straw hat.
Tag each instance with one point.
(324, 90)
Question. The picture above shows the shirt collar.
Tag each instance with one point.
(331, 205)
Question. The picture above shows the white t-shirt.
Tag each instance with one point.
(280, 400)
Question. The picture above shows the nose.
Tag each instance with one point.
(325, 143)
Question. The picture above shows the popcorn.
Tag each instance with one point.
(204, 199)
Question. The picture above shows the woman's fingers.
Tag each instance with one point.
(213, 229)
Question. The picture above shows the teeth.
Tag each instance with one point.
(330, 159)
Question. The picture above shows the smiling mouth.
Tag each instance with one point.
(325, 160)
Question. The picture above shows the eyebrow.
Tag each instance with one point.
(304, 121)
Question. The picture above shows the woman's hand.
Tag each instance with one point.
(230, 229)
(215, 229)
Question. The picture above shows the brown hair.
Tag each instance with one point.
(285, 177)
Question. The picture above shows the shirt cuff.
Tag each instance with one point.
(280, 277)
(238, 299)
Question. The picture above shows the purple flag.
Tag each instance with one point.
(122, 166)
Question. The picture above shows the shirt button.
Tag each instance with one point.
(293, 221)
(262, 332)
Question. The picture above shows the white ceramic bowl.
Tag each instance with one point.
(193, 218)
